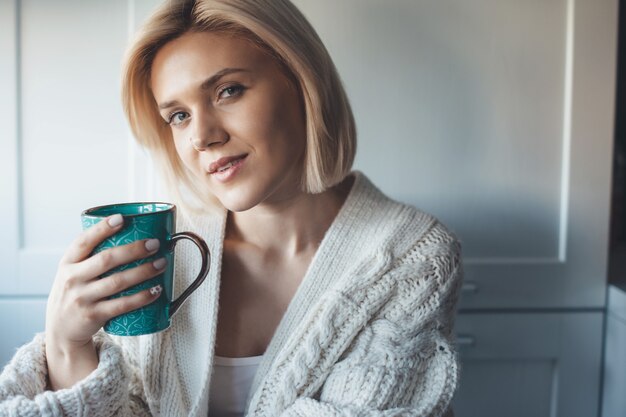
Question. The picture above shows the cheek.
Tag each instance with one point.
(288, 113)
(179, 148)
(274, 122)
(255, 119)
(184, 152)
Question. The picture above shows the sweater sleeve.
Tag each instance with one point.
(403, 362)
(108, 391)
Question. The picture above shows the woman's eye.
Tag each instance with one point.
(177, 118)
(230, 91)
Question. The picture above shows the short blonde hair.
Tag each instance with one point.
(279, 28)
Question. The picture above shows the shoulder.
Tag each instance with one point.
(406, 232)
(430, 271)
(410, 260)
(437, 245)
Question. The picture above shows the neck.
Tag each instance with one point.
(292, 227)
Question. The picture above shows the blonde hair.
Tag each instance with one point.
(279, 28)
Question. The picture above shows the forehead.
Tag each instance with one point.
(195, 56)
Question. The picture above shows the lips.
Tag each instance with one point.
(223, 162)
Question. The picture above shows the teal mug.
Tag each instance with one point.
(151, 220)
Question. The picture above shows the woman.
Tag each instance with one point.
(325, 298)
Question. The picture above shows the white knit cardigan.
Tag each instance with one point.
(368, 332)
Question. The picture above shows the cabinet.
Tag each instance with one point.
(62, 131)
(529, 364)
(497, 116)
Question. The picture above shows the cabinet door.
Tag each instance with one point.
(529, 365)
(497, 117)
(64, 144)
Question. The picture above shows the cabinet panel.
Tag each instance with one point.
(65, 144)
(523, 388)
(529, 364)
(73, 137)
(445, 96)
(20, 319)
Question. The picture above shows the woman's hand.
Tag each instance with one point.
(78, 306)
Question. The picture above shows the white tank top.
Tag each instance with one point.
(230, 385)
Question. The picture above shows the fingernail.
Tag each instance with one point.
(116, 220)
(156, 290)
(152, 244)
(159, 263)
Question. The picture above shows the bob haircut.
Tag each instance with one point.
(281, 30)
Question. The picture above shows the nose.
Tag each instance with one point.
(207, 131)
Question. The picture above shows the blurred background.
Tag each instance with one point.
(497, 116)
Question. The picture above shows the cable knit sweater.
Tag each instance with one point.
(368, 332)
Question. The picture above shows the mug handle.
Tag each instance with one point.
(204, 269)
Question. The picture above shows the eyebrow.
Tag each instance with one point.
(206, 84)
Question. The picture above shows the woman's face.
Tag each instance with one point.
(233, 101)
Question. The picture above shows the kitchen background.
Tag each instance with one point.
(495, 115)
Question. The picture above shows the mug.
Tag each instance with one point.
(150, 220)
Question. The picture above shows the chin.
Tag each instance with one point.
(237, 209)
(238, 204)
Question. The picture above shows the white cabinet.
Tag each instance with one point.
(497, 116)
(64, 144)
(559, 256)
(529, 364)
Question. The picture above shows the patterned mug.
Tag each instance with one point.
(147, 221)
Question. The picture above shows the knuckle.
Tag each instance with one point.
(70, 282)
(137, 275)
(80, 301)
(122, 306)
(91, 315)
(82, 242)
(117, 281)
(105, 259)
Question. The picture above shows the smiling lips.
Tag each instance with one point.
(224, 163)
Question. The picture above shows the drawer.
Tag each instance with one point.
(529, 364)
(20, 319)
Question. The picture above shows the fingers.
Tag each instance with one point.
(78, 304)
(108, 259)
(121, 281)
(86, 242)
(108, 309)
